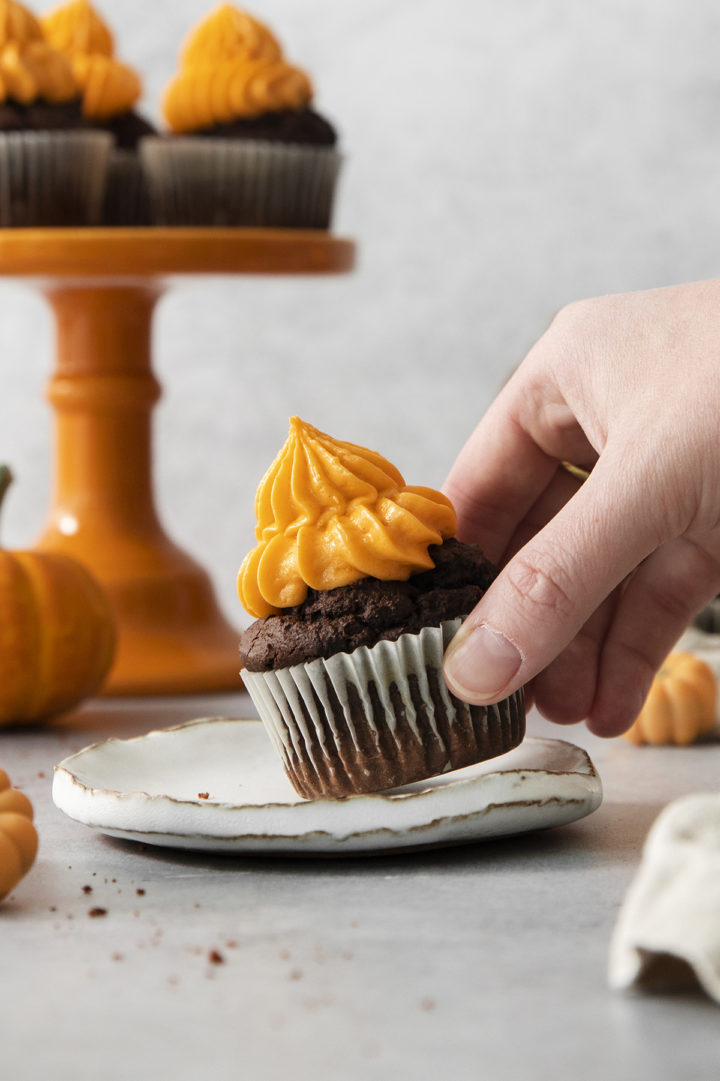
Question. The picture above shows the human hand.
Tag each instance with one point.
(598, 579)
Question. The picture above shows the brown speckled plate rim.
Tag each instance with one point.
(585, 768)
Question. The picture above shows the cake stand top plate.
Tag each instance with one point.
(162, 252)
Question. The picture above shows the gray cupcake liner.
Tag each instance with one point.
(378, 717)
(52, 177)
(200, 181)
(126, 200)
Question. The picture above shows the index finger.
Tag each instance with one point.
(509, 461)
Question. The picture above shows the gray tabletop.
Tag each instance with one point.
(483, 961)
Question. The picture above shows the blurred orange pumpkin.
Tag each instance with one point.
(57, 635)
(680, 705)
(18, 838)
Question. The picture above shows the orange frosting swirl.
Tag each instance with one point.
(231, 67)
(108, 87)
(77, 28)
(17, 24)
(29, 67)
(330, 513)
(226, 34)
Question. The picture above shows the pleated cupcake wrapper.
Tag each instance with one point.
(378, 717)
(229, 182)
(52, 178)
(127, 200)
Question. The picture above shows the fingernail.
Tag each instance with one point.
(480, 663)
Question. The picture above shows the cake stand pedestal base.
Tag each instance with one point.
(172, 636)
(103, 285)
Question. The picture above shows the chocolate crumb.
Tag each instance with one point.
(87, 889)
(41, 773)
(216, 958)
(97, 911)
(296, 974)
(53, 908)
(140, 891)
(203, 795)
(118, 957)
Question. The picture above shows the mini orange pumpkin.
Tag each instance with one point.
(57, 636)
(18, 838)
(680, 705)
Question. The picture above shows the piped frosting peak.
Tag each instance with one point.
(331, 512)
(231, 67)
(108, 86)
(30, 68)
(78, 28)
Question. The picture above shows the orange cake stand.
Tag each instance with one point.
(103, 285)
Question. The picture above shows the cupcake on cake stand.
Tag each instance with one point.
(103, 285)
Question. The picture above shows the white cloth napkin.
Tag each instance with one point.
(668, 932)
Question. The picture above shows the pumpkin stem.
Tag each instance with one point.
(6, 479)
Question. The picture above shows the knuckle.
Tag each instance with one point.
(675, 606)
(575, 318)
(643, 663)
(546, 589)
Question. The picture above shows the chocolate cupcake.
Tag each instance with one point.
(52, 167)
(109, 90)
(245, 147)
(359, 586)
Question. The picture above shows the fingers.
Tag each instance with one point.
(561, 488)
(510, 459)
(564, 692)
(653, 610)
(549, 590)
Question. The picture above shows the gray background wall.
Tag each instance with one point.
(502, 159)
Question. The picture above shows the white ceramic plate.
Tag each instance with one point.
(215, 784)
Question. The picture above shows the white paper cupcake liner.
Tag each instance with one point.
(52, 177)
(239, 182)
(126, 200)
(378, 717)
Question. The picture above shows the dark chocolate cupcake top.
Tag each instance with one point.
(41, 116)
(303, 126)
(369, 610)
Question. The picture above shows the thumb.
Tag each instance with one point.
(550, 588)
